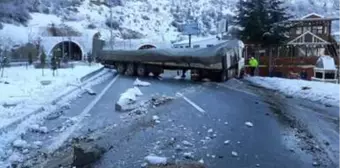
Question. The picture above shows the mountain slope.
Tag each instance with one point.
(155, 19)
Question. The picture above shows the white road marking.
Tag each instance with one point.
(65, 135)
(192, 103)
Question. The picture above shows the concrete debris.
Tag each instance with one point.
(85, 154)
(90, 91)
(201, 161)
(238, 142)
(155, 117)
(233, 153)
(19, 143)
(25, 151)
(226, 142)
(36, 128)
(187, 143)
(249, 124)
(178, 148)
(225, 123)
(210, 130)
(257, 165)
(156, 160)
(188, 155)
(213, 156)
(141, 83)
(143, 165)
(54, 115)
(316, 164)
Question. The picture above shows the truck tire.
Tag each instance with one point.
(141, 70)
(195, 75)
(130, 69)
(221, 76)
(121, 68)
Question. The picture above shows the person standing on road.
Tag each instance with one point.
(253, 63)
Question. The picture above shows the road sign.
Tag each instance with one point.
(222, 26)
(191, 28)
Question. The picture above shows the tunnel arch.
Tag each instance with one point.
(74, 48)
(146, 46)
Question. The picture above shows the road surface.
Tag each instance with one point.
(206, 121)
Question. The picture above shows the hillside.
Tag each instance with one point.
(132, 19)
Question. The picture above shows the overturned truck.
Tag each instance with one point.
(217, 63)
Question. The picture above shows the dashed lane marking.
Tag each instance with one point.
(192, 103)
(65, 135)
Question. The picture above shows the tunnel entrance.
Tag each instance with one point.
(148, 46)
(72, 51)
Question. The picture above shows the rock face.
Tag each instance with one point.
(84, 155)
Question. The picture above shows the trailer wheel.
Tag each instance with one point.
(121, 68)
(196, 75)
(130, 69)
(221, 76)
(141, 70)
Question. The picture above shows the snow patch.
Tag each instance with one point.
(141, 83)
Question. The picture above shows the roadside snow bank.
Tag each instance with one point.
(22, 91)
(326, 93)
(128, 98)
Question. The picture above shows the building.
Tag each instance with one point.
(310, 37)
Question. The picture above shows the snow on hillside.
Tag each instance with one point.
(151, 19)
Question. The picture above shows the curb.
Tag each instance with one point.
(55, 101)
(82, 79)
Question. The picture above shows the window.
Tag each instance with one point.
(196, 46)
(325, 30)
(187, 47)
(305, 29)
(317, 29)
(298, 30)
(210, 45)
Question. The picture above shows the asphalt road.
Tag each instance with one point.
(206, 115)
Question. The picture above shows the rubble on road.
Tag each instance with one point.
(90, 91)
(249, 124)
(85, 154)
(156, 160)
(141, 83)
(128, 98)
(36, 128)
(19, 143)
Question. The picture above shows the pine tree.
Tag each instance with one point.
(277, 16)
(261, 21)
(30, 58)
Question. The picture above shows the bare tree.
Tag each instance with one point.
(5, 45)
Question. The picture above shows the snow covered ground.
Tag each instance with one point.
(23, 94)
(326, 93)
(22, 90)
